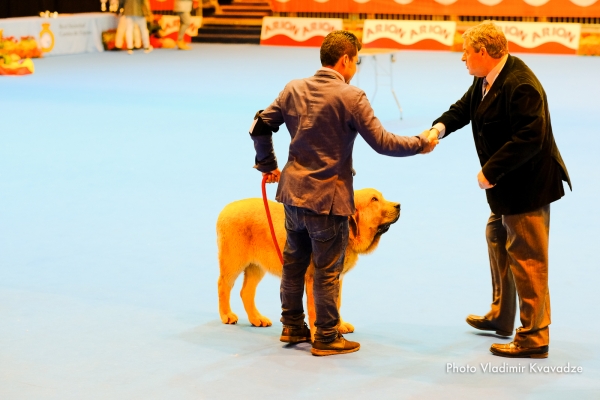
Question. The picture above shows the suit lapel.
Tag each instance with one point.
(494, 90)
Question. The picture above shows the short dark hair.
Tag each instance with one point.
(336, 44)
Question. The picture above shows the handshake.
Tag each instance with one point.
(431, 140)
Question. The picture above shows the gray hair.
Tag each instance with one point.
(489, 35)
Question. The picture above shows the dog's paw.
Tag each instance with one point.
(229, 318)
(345, 327)
(260, 320)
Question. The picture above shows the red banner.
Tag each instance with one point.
(496, 8)
(162, 5)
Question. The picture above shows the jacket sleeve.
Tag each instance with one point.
(265, 123)
(528, 127)
(459, 114)
(382, 141)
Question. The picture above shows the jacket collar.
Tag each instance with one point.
(491, 77)
(496, 87)
(324, 71)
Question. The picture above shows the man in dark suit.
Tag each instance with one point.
(522, 173)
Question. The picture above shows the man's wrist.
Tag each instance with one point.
(440, 128)
(266, 168)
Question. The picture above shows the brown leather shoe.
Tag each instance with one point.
(295, 334)
(484, 324)
(513, 350)
(338, 346)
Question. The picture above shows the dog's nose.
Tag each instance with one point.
(397, 206)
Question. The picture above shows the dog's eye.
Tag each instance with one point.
(374, 199)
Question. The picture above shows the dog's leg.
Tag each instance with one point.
(345, 327)
(225, 285)
(310, 304)
(252, 276)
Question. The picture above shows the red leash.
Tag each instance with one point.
(264, 194)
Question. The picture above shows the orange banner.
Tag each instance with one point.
(162, 5)
(308, 32)
(539, 37)
(496, 8)
(416, 35)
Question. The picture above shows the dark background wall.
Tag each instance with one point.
(23, 8)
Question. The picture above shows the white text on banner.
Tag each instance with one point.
(541, 37)
(405, 34)
(297, 31)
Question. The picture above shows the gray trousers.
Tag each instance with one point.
(185, 19)
(518, 251)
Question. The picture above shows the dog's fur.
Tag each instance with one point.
(245, 245)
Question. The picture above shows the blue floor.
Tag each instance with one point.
(113, 169)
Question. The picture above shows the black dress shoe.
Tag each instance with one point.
(484, 324)
(295, 334)
(513, 350)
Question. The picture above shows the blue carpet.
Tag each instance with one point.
(113, 169)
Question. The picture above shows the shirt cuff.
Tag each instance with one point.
(441, 129)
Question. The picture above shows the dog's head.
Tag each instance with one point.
(373, 217)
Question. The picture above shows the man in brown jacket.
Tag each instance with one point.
(323, 114)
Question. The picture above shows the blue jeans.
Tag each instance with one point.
(324, 237)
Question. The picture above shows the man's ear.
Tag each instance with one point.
(345, 59)
(353, 224)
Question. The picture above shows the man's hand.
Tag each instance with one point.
(430, 137)
(433, 133)
(483, 182)
(273, 176)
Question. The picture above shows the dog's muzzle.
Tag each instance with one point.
(381, 229)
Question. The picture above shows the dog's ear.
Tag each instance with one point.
(353, 224)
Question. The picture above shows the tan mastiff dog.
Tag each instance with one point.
(245, 245)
